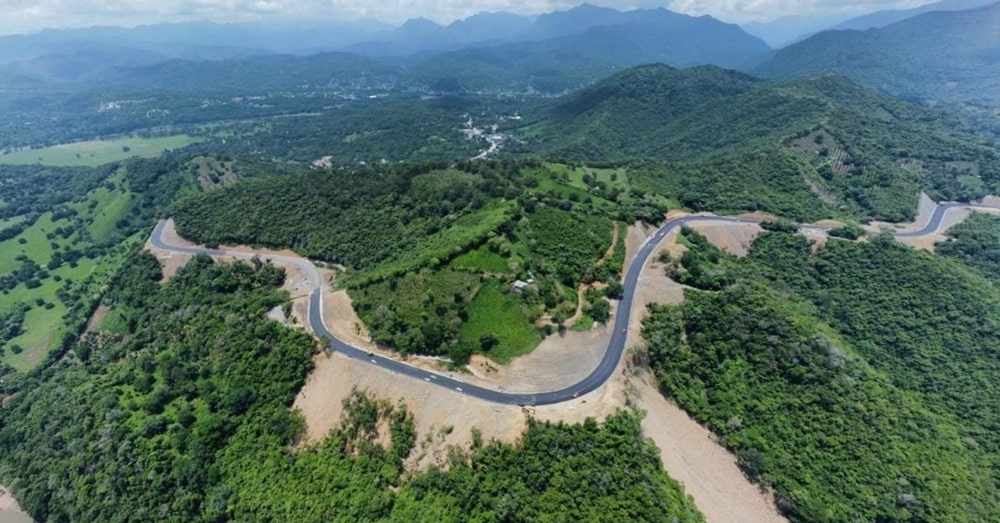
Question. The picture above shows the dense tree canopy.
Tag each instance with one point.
(859, 382)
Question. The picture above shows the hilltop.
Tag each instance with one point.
(853, 146)
(947, 56)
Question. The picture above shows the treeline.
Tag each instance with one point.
(360, 217)
(32, 190)
(719, 122)
(857, 382)
(182, 413)
(770, 181)
(976, 243)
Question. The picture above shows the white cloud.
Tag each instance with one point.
(20, 16)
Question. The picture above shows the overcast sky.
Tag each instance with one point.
(23, 16)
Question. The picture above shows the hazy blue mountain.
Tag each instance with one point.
(891, 16)
(567, 62)
(194, 40)
(420, 34)
(487, 27)
(942, 55)
(82, 65)
(260, 74)
(788, 29)
(575, 20)
(416, 27)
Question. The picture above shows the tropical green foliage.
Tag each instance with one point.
(185, 416)
(858, 382)
(436, 249)
(725, 126)
(361, 218)
(976, 243)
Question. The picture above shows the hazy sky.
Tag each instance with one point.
(22, 16)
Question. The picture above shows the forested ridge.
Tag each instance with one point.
(182, 413)
(433, 251)
(877, 154)
(859, 382)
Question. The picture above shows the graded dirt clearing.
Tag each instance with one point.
(10, 511)
(559, 361)
(951, 218)
(692, 456)
(689, 451)
(731, 238)
(443, 417)
(925, 210)
(296, 282)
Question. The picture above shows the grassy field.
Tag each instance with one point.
(104, 207)
(43, 327)
(481, 259)
(498, 312)
(44, 322)
(36, 246)
(7, 222)
(97, 152)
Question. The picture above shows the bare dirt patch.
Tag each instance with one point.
(634, 238)
(731, 238)
(692, 456)
(689, 451)
(990, 201)
(10, 510)
(95, 320)
(341, 320)
(442, 417)
(925, 210)
(559, 361)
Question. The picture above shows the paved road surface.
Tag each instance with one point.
(603, 371)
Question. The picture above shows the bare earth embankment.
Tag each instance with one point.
(10, 511)
(689, 451)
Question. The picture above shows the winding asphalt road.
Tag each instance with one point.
(597, 377)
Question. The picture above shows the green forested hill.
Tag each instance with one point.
(432, 250)
(182, 413)
(948, 56)
(869, 153)
(859, 382)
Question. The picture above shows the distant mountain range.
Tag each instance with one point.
(941, 55)
(891, 16)
(937, 55)
(611, 41)
(490, 51)
(790, 29)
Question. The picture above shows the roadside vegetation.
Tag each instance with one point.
(436, 256)
(856, 382)
(975, 243)
(859, 381)
(193, 397)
